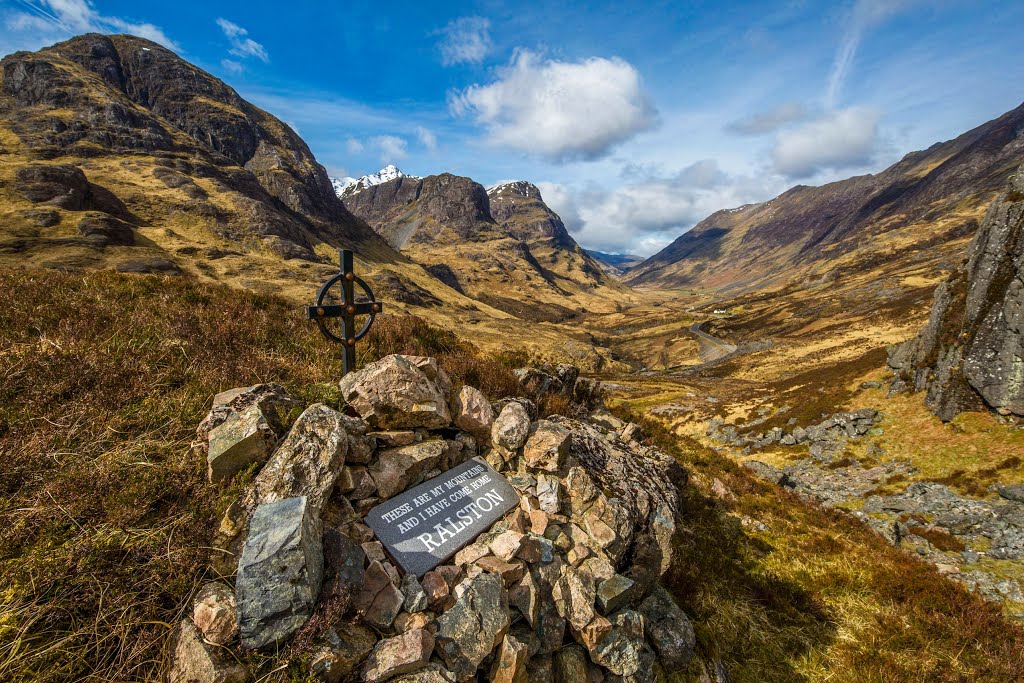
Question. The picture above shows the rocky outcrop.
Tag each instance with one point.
(824, 440)
(971, 352)
(565, 583)
(439, 208)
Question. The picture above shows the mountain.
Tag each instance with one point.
(119, 153)
(505, 248)
(343, 186)
(616, 264)
(520, 210)
(924, 207)
(971, 352)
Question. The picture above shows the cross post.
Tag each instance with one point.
(347, 311)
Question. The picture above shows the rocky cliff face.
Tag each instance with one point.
(924, 206)
(438, 209)
(971, 352)
(139, 135)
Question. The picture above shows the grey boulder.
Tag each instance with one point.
(280, 571)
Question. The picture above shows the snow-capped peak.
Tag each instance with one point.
(355, 185)
(522, 188)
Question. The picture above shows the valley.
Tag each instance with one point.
(838, 370)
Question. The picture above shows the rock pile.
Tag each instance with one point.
(824, 440)
(563, 588)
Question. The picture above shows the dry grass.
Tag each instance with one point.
(818, 596)
(105, 513)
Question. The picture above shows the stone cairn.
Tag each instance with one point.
(563, 588)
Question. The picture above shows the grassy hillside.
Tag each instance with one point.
(920, 211)
(106, 513)
(783, 590)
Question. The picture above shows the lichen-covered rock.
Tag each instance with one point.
(622, 649)
(668, 629)
(537, 381)
(639, 488)
(308, 461)
(415, 596)
(280, 571)
(574, 596)
(397, 392)
(510, 664)
(511, 427)
(196, 662)
(379, 600)
(243, 439)
(571, 665)
(547, 446)
(403, 654)
(432, 673)
(272, 400)
(472, 412)
(342, 651)
(616, 592)
(396, 469)
(971, 351)
(214, 613)
(474, 625)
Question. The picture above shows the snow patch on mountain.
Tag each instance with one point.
(519, 187)
(350, 186)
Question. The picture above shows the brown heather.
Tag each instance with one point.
(818, 595)
(105, 514)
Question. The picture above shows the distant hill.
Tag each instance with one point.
(617, 264)
(924, 207)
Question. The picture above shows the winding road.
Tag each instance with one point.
(711, 348)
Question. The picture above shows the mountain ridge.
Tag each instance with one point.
(939, 193)
(505, 246)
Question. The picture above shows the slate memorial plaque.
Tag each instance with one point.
(425, 525)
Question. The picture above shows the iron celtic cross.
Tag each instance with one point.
(322, 312)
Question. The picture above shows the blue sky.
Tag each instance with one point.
(636, 121)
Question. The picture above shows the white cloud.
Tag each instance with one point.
(52, 19)
(561, 201)
(466, 40)
(392, 148)
(232, 66)
(353, 146)
(426, 138)
(643, 215)
(241, 46)
(559, 110)
(840, 139)
(768, 121)
(862, 16)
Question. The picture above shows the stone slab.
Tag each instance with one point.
(427, 524)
